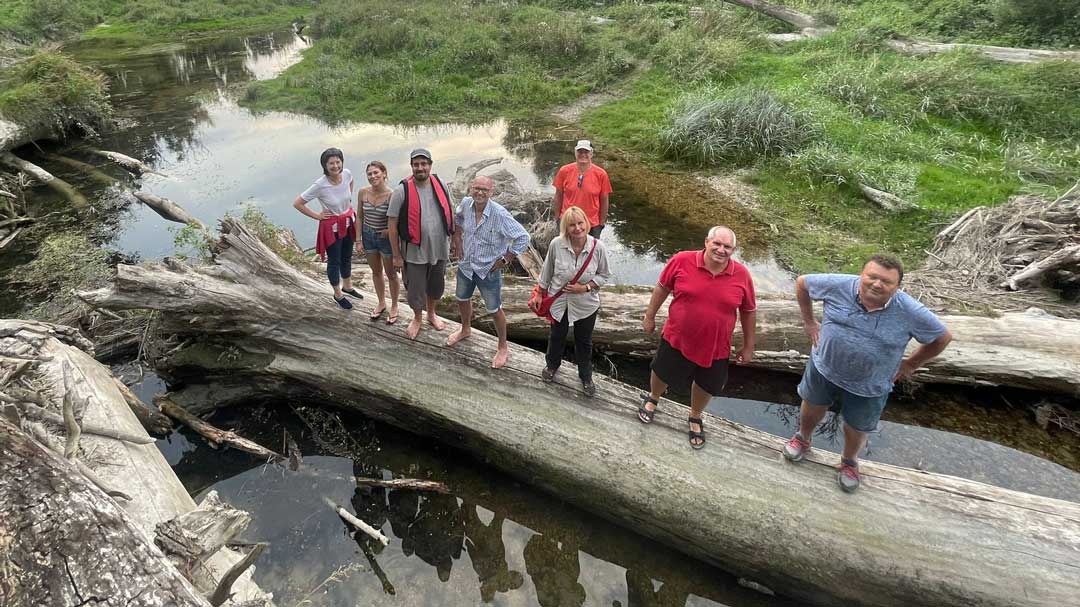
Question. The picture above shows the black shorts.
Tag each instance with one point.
(675, 370)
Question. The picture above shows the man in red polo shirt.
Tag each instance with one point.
(584, 185)
(709, 288)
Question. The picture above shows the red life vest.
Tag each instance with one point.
(408, 221)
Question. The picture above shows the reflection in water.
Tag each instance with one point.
(492, 541)
(183, 119)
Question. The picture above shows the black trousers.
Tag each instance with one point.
(339, 260)
(583, 329)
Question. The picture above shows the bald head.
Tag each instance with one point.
(480, 189)
(718, 230)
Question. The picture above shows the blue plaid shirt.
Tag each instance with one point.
(485, 241)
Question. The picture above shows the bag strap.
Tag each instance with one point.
(580, 271)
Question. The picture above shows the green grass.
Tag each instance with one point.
(431, 62)
(35, 20)
(48, 88)
(1042, 23)
(948, 133)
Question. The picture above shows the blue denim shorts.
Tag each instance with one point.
(490, 288)
(373, 242)
(860, 412)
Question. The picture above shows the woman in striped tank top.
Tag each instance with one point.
(375, 240)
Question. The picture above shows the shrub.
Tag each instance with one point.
(688, 54)
(1040, 19)
(707, 128)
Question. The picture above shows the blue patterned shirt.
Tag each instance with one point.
(485, 241)
(859, 350)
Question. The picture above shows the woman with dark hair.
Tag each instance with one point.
(373, 202)
(575, 268)
(337, 222)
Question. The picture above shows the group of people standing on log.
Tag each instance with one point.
(858, 347)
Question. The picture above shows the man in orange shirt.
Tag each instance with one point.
(583, 184)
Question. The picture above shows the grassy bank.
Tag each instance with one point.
(457, 60)
(816, 118)
(33, 20)
(48, 88)
(812, 120)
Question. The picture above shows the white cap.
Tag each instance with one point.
(583, 144)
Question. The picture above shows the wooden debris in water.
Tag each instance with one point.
(167, 208)
(132, 165)
(1006, 258)
(359, 524)
(46, 178)
(216, 436)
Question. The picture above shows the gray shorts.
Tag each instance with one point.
(424, 281)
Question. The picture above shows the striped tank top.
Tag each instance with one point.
(375, 216)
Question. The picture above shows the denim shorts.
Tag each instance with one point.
(373, 242)
(490, 288)
(860, 412)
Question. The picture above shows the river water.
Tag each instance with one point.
(492, 540)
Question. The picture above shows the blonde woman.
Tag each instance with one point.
(575, 269)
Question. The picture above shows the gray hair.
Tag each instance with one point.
(713, 231)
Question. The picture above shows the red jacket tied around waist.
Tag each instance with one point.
(326, 235)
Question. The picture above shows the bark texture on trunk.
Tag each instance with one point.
(137, 470)
(67, 543)
(908, 537)
(1016, 349)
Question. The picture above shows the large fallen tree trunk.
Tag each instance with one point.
(907, 537)
(1017, 349)
(42, 365)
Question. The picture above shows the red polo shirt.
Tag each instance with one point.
(594, 183)
(702, 316)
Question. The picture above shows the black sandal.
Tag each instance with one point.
(697, 435)
(643, 414)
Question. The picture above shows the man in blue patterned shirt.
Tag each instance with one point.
(858, 353)
(486, 239)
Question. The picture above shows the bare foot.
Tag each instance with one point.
(501, 355)
(413, 329)
(457, 336)
(436, 322)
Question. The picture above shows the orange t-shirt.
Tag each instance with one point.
(586, 195)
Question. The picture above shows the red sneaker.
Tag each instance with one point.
(796, 448)
(848, 475)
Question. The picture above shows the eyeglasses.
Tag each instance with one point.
(580, 180)
(481, 190)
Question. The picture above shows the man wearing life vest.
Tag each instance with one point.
(421, 220)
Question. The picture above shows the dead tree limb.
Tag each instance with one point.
(216, 436)
(89, 170)
(360, 525)
(167, 209)
(132, 165)
(411, 484)
(155, 422)
(885, 200)
(44, 177)
(1068, 256)
(224, 589)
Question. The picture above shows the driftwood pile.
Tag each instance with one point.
(1006, 258)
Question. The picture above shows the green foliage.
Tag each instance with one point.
(1006, 22)
(50, 88)
(67, 259)
(192, 242)
(739, 127)
(438, 61)
(34, 20)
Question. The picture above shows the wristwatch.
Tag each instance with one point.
(588, 288)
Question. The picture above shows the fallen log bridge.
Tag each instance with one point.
(907, 538)
(1016, 349)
